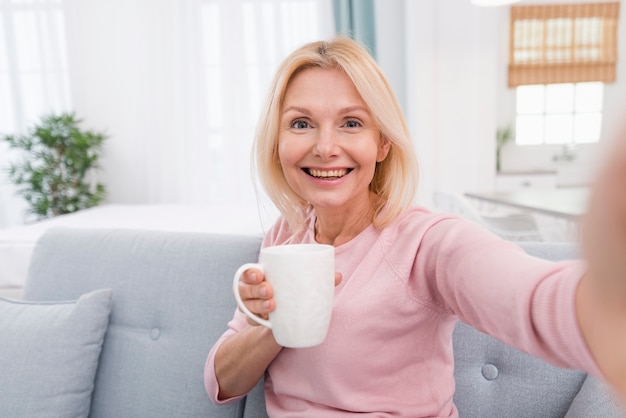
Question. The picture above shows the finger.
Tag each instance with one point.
(257, 305)
(252, 276)
(261, 308)
(262, 291)
(338, 278)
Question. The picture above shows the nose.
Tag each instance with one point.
(326, 143)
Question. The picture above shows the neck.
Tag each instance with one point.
(338, 228)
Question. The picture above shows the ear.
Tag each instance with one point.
(383, 149)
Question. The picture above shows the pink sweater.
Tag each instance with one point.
(389, 348)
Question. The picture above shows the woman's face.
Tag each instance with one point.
(328, 142)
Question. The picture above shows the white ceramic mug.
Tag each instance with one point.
(303, 280)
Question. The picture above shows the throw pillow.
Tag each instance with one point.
(49, 355)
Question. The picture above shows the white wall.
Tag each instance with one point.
(451, 57)
(456, 95)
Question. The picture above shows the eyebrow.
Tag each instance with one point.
(348, 109)
(297, 109)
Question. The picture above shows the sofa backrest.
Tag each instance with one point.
(171, 301)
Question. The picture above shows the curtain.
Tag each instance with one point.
(33, 80)
(178, 87)
(355, 18)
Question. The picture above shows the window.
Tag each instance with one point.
(559, 57)
(568, 113)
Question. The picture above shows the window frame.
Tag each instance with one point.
(545, 113)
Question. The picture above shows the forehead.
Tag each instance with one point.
(317, 77)
(316, 83)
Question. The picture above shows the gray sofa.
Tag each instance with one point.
(171, 300)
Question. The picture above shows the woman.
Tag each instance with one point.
(334, 153)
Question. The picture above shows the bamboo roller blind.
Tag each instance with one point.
(563, 43)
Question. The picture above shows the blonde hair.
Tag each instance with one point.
(395, 178)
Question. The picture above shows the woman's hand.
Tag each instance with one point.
(601, 298)
(258, 295)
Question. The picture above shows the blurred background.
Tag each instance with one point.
(177, 86)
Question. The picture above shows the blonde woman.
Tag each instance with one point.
(334, 153)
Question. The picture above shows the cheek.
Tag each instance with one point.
(288, 162)
(284, 156)
(288, 154)
(374, 155)
(291, 175)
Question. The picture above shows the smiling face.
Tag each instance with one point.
(328, 142)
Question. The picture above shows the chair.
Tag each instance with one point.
(512, 227)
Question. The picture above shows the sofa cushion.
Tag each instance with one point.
(49, 355)
(172, 301)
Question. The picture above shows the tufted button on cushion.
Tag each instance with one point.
(155, 333)
(490, 372)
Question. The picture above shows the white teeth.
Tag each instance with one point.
(327, 173)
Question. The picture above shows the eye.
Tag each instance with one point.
(299, 124)
(353, 123)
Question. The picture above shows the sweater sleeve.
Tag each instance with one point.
(279, 231)
(210, 380)
(493, 285)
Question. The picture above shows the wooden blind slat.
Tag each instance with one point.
(608, 10)
(563, 43)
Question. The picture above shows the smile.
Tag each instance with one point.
(327, 174)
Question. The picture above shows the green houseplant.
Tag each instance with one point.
(57, 160)
(503, 136)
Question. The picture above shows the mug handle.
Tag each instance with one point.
(240, 303)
